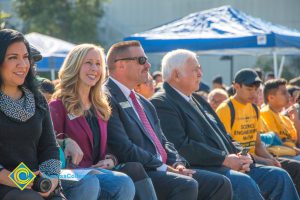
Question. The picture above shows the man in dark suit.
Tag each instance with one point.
(196, 131)
(134, 133)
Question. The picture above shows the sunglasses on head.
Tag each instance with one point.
(141, 60)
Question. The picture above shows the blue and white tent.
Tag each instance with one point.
(222, 31)
(52, 49)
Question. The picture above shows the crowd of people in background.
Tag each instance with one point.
(145, 136)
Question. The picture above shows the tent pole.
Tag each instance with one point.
(231, 68)
(52, 67)
(275, 64)
(281, 66)
(52, 74)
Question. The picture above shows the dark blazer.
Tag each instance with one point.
(188, 129)
(78, 129)
(127, 138)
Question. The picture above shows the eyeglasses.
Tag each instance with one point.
(141, 60)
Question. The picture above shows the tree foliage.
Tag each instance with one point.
(3, 17)
(71, 20)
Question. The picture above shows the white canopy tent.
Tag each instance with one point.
(52, 49)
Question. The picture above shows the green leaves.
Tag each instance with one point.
(75, 21)
(3, 17)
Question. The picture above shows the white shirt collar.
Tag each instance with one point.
(187, 98)
(126, 91)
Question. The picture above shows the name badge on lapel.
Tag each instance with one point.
(71, 117)
(125, 104)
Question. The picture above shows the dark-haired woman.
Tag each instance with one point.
(26, 132)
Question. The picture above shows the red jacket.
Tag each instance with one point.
(77, 128)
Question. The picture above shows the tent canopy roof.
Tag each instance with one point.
(49, 46)
(52, 49)
(222, 30)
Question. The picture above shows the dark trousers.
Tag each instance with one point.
(144, 189)
(22, 195)
(293, 168)
(204, 185)
(134, 170)
(17, 194)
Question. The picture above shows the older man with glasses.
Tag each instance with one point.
(216, 97)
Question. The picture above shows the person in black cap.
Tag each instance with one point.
(36, 56)
(241, 119)
(247, 77)
(46, 87)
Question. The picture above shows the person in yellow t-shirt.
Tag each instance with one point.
(246, 125)
(267, 137)
(262, 125)
(276, 98)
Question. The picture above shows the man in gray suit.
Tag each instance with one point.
(196, 131)
(134, 133)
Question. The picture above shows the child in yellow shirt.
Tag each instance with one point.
(277, 98)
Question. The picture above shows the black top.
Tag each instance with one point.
(94, 126)
(31, 142)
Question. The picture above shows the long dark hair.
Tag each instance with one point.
(8, 37)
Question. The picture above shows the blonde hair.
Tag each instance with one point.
(67, 88)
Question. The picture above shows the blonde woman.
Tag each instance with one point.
(80, 110)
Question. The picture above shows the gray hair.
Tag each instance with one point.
(214, 92)
(175, 60)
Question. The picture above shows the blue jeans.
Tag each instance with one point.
(115, 185)
(274, 183)
(86, 188)
(244, 187)
(262, 182)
